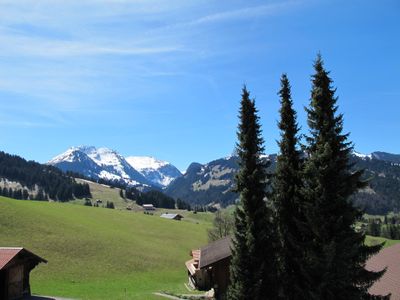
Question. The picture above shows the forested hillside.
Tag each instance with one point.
(214, 182)
(22, 179)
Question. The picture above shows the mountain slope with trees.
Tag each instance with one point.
(201, 184)
(37, 181)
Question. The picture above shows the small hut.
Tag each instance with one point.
(15, 266)
(209, 267)
(148, 207)
(176, 217)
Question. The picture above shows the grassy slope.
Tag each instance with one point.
(105, 193)
(97, 253)
(373, 240)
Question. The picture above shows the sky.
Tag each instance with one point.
(164, 78)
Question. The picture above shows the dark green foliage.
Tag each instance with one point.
(336, 253)
(389, 228)
(54, 184)
(40, 195)
(158, 199)
(25, 194)
(131, 193)
(110, 204)
(88, 202)
(288, 200)
(253, 264)
(374, 227)
(180, 204)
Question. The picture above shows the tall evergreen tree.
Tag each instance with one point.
(337, 253)
(253, 264)
(288, 200)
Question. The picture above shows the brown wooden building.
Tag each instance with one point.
(176, 217)
(209, 267)
(15, 266)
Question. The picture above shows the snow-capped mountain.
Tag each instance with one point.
(159, 172)
(379, 155)
(362, 155)
(108, 164)
(99, 163)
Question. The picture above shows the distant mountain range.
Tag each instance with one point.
(213, 182)
(107, 164)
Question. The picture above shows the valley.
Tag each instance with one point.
(96, 253)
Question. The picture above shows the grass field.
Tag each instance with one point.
(98, 253)
(106, 193)
(373, 240)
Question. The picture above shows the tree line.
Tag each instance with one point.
(388, 228)
(155, 197)
(294, 235)
(42, 181)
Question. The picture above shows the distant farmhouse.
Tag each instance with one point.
(15, 266)
(209, 267)
(176, 217)
(148, 207)
(389, 283)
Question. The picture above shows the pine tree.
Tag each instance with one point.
(253, 264)
(288, 200)
(336, 254)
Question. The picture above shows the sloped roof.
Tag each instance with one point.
(7, 254)
(389, 283)
(170, 216)
(215, 251)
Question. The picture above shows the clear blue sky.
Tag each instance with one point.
(163, 78)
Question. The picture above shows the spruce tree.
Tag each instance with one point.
(253, 264)
(336, 254)
(288, 200)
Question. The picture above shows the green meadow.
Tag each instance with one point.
(98, 253)
(374, 240)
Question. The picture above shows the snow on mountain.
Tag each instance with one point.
(361, 155)
(99, 163)
(159, 172)
(145, 162)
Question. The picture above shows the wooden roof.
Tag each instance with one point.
(7, 254)
(389, 283)
(215, 251)
(171, 216)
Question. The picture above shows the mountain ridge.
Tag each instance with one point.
(213, 182)
(104, 163)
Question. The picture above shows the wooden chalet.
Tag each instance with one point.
(176, 217)
(389, 283)
(209, 267)
(148, 207)
(15, 266)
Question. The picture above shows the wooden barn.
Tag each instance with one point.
(15, 266)
(148, 207)
(209, 267)
(176, 217)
